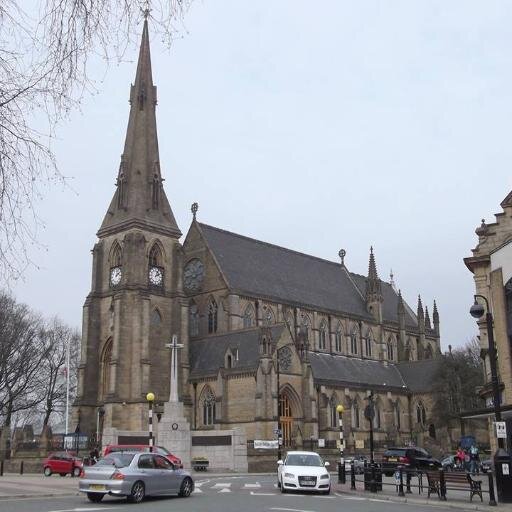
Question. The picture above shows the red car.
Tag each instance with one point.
(144, 448)
(63, 463)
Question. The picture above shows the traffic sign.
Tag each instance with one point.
(501, 430)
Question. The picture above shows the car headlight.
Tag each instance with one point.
(289, 475)
(323, 477)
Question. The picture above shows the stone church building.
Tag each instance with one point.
(242, 309)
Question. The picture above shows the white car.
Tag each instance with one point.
(303, 471)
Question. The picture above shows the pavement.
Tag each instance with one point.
(37, 485)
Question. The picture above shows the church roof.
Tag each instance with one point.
(419, 376)
(340, 370)
(207, 354)
(265, 270)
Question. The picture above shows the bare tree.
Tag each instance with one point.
(22, 353)
(43, 76)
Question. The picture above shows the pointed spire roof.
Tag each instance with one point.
(400, 306)
(427, 319)
(373, 285)
(420, 309)
(435, 314)
(139, 199)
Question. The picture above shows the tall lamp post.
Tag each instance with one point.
(339, 410)
(369, 414)
(477, 311)
(150, 397)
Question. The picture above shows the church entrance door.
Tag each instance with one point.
(285, 413)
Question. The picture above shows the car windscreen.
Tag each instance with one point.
(395, 452)
(163, 451)
(303, 460)
(119, 460)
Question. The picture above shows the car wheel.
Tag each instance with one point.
(95, 497)
(76, 471)
(138, 492)
(186, 488)
(47, 471)
(278, 484)
(283, 490)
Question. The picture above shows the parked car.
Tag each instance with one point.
(111, 448)
(359, 462)
(62, 463)
(134, 475)
(412, 458)
(448, 463)
(303, 471)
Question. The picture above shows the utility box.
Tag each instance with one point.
(503, 469)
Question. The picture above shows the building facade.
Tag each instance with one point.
(242, 309)
(491, 265)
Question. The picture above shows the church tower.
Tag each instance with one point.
(136, 301)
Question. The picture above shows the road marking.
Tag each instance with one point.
(325, 497)
(257, 485)
(221, 484)
(225, 489)
(197, 490)
(81, 509)
(263, 493)
(291, 509)
(355, 498)
(378, 501)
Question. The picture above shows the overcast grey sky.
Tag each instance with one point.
(311, 125)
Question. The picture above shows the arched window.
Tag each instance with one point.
(106, 357)
(248, 316)
(354, 341)
(421, 415)
(391, 354)
(155, 256)
(355, 414)
(268, 315)
(208, 405)
(212, 316)
(368, 342)
(155, 267)
(193, 321)
(376, 417)
(116, 256)
(305, 327)
(156, 317)
(333, 413)
(229, 361)
(322, 337)
(338, 339)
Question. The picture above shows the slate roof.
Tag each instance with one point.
(257, 268)
(335, 369)
(419, 376)
(207, 354)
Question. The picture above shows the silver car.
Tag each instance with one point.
(134, 475)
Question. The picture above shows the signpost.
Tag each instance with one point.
(501, 430)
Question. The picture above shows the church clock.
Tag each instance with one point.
(115, 276)
(156, 276)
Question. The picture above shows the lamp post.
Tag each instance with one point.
(369, 414)
(477, 311)
(150, 397)
(342, 478)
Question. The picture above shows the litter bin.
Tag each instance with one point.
(503, 469)
(368, 477)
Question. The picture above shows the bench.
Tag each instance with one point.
(439, 482)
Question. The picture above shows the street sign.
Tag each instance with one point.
(277, 431)
(501, 430)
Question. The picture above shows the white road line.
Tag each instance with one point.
(257, 485)
(263, 493)
(221, 484)
(225, 489)
(197, 490)
(378, 501)
(291, 509)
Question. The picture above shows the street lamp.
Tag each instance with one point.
(477, 311)
(150, 397)
(369, 414)
(339, 410)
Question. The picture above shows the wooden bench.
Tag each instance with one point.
(453, 482)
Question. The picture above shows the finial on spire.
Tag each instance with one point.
(342, 253)
(146, 10)
(194, 209)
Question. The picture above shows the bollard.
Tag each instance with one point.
(1, 467)
(352, 477)
(401, 484)
(408, 482)
(442, 485)
(492, 498)
(342, 479)
(373, 484)
(21, 468)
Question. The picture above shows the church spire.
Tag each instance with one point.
(373, 286)
(140, 200)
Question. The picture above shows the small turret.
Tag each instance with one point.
(435, 318)
(427, 319)
(374, 298)
(421, 315)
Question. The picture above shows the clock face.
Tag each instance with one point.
(156, 276)
(193, 275)
(115, 276)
